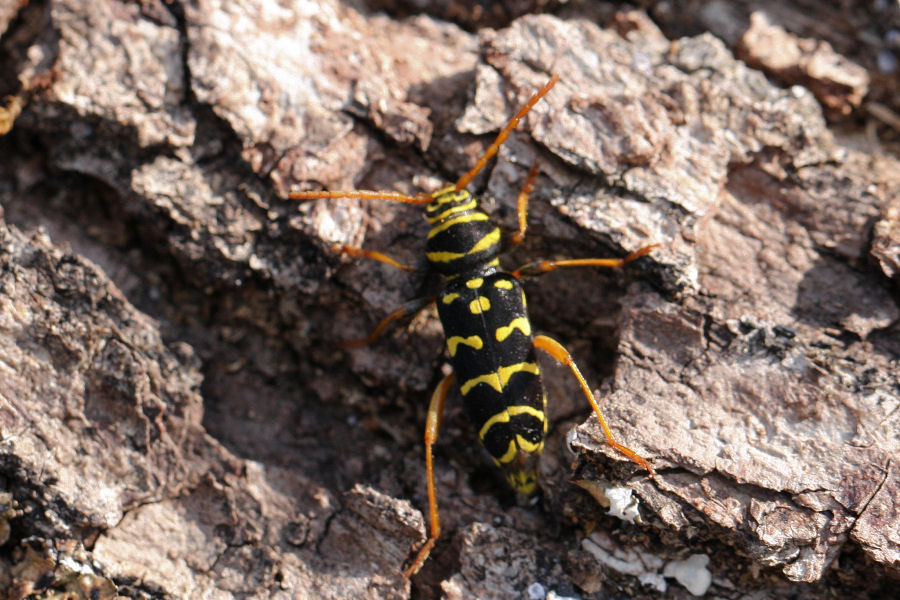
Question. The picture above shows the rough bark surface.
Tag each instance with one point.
(177, 421)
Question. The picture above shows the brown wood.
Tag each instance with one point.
(175, 420)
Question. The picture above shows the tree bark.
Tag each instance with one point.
(178, 420)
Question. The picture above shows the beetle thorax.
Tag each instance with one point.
(462, 236)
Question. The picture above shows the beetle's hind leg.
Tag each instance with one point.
(432, 426)
(558, 352)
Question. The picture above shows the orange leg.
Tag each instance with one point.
(522, 204)
(545, 266)
(504, 133)
(373, 254)
(411, 307)
(420, 198)
(432, 426)
(556, 350)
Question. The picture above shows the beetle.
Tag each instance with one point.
(488, 333)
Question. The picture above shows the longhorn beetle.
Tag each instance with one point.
(488, 334)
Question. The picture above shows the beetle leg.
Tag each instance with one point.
(432, 425)
(558, 352)
(545, 266)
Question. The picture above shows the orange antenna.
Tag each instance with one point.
(513, 123)
(420, 198)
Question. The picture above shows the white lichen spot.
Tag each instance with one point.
(653, 580)
(623, 504)
(691, 573)
(620, 501)
(554, 596)
(536, 591)
(651, 561)
(620, 560)
(643, 565)
(256, 263)
(71, 565)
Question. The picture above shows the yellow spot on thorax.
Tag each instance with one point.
(520, 323)
(449, 298)
(479, 305)
(504, 284)
(474, 284)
